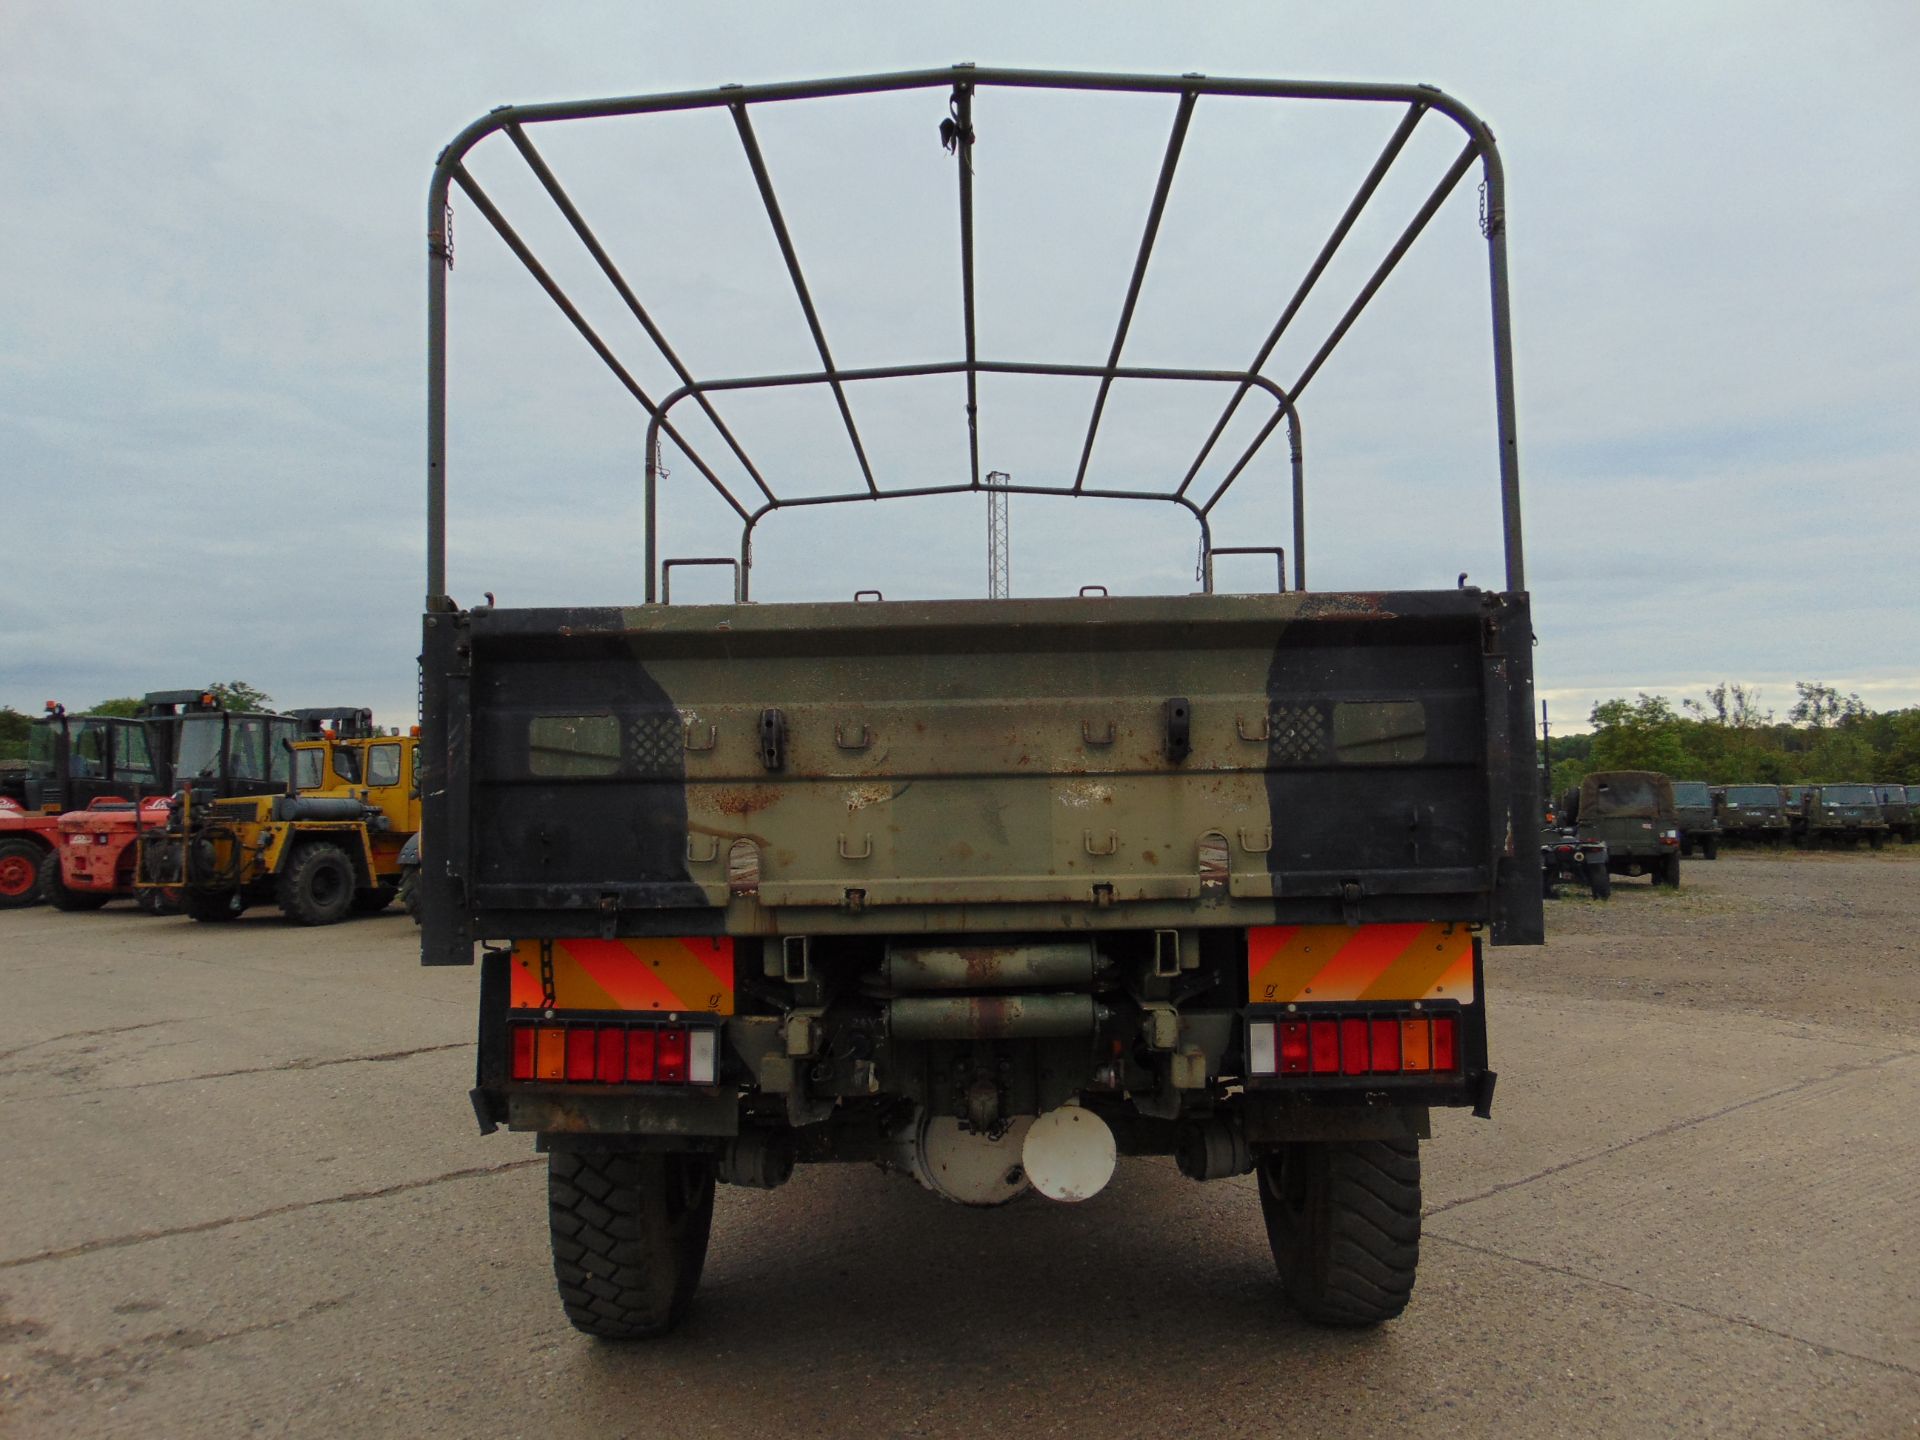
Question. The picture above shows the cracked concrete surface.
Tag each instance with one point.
(244, 1193)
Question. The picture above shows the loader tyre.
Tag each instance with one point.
(372, 902)
(54, 890)
(629, 1237)
(211, 906)
(1343, 1218)
(316, 887)
(21, 864)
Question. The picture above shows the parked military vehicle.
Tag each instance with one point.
(1897, 809)
(73, 761)
(1633, 811)
(983, 891)
(1752, 812)
(1693, 810)
(1839, 815)
(329, 845)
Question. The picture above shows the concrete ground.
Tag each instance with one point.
(243, 1193)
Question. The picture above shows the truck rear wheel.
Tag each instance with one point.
(20, 865)
(1343, 1218)
(629, 1238)
(1710, 847)
(316, 887)
(54, 890)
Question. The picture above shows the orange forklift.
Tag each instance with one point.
(73, 761)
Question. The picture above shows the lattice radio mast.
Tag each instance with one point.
(999, 558)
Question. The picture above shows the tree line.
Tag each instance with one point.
(1727, 737)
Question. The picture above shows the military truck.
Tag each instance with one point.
(1752, 812)
(1633, 811)
(1897, 809)
(1839, 815)
(983, 891)
(1693, 810)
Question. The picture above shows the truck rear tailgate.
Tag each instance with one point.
(1302, 758)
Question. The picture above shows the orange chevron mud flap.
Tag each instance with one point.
(1289, 964)
(680, 976)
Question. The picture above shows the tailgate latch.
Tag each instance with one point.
(773, 738)
(1179, 728)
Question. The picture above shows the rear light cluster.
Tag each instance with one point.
(1355, 1045)
(593, 1053)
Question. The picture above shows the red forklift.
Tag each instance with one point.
(73, 761)
(215, 751)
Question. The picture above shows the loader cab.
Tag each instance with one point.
(233, 753)
(73, 760)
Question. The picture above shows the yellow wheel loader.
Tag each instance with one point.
(326, 847)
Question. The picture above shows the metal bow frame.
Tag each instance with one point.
(963, 83)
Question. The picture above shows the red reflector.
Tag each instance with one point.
(1326, 1047)
(1353, 1047)
(640, 1056)
(610, 1066)
(1445, 1033)
(579, 1052)
(1293, 1047)
(1386, 1046)
(672, 1054)
(522, 1051)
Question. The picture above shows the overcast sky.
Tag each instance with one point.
(212, 323)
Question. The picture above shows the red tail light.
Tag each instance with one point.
(1326, 1047)
(1397, 1044)
(672, 1054)
(613, 1053)
(1353, 1047)
(1446, 1053)
(640, 1056)
(610, 1061)
(1293, 1047)
(1386, 1046)
(580, 1052)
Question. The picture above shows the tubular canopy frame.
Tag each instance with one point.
(963, 84)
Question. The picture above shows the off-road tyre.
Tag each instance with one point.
(1877, 842)
(372, 902)
(22, 869)
(55, 891)
(316, 887)
(1599, 881)
(211, 906)
(1686, 845)
(1710, 847)
(1343, 1219)
(1669, 873)
(629, 1237)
